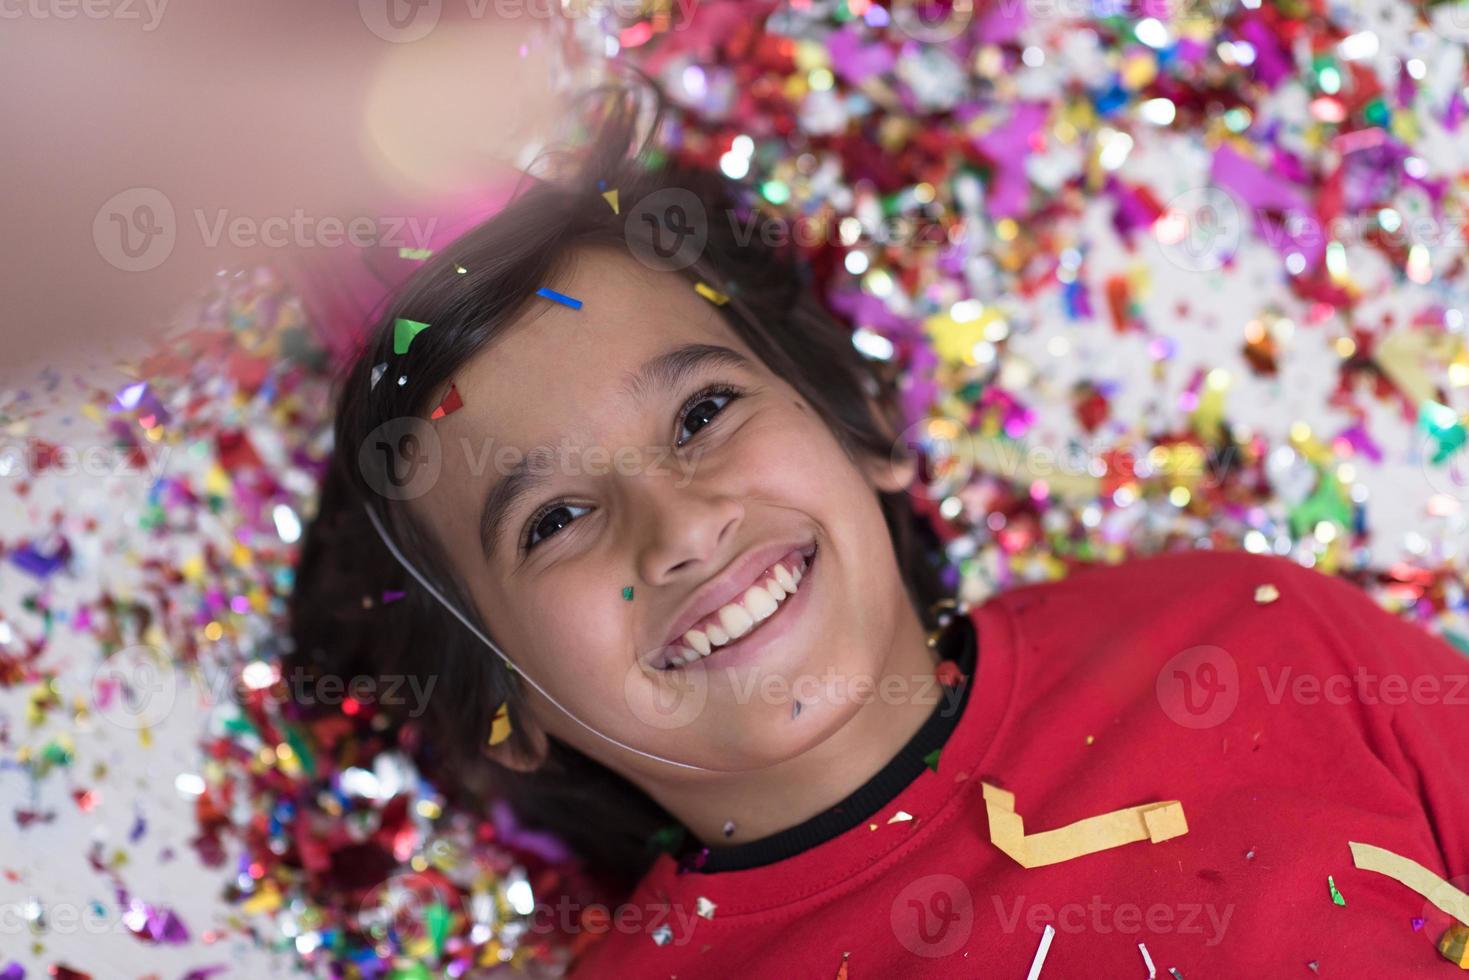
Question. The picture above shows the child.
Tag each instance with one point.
(635, 452)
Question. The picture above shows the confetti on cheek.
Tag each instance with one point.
(710, 293)
(611, 198)
(627, 592)
(729, 828)
(404, 331)
(392, 595)
(451, 403)
(548, 293)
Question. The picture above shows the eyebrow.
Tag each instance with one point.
(665, 372)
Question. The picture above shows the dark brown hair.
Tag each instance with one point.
(469, 292)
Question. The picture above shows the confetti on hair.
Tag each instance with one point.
(562, 298)
(451, 403)
(710, 293)
(416, 254)
(1041, 952)
(500, 725)
(392, 595)
(611, 198)
(404, 331)
(627, 592)
(1336, 896)
(378, 371)
(1266, 594)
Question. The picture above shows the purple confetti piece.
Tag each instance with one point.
(392, 595)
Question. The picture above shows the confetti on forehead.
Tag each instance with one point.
(710, 293)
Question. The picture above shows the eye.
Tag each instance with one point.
(701, 409)
(549, 521)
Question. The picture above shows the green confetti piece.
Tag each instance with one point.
(666, 838)
(436, 919)
(403, 333)
(627, 592)
(932, 760)
(303, 751)
(412, 971)
(1335, 895)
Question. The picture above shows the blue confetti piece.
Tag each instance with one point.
(561, 298)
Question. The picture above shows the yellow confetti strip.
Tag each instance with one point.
(500, 726)
(1156, 822)
(710, 293)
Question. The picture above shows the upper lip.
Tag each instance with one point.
(731, 584)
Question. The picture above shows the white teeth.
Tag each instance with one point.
(758, 603)
(737, 618)
(736, 621)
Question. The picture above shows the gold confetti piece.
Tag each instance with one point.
(1155, 822)
(1266, 594)
(1445, 896)
(900, 816)
(704, 907)
(500, 726)
(710, 293)
(611, 198)
(1454, 945)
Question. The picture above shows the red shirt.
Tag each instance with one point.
(1285, 728)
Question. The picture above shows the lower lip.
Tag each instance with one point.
(748, 648)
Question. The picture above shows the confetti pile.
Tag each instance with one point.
(325, 843)
(1153, 276)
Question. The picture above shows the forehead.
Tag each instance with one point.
(559, 371)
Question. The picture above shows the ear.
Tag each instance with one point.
(508, 754)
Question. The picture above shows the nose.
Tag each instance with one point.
(684, 531)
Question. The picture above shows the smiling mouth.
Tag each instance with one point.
(734, 621)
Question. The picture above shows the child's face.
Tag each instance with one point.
(620, 504)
